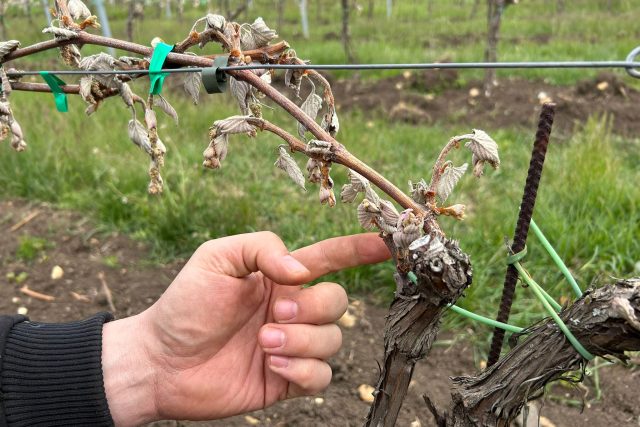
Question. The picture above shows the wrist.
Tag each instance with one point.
(129, 375)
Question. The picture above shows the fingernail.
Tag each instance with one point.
(272, 338)
(285, 309)
(294, 265)
(278, 361)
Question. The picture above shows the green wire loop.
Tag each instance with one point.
(513, 258)
(526, 277)
(55, 84)
(540, 294)
(556, 259)
(156, 78)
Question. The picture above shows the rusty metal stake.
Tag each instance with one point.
(522, 226)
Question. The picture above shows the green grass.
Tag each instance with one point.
(30, 247)
(587, 201)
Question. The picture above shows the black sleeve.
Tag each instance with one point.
(51, 373)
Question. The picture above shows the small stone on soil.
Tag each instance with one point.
(347, 320)
(365, 392)
(251, 420)
(23, 311)
(57, 272)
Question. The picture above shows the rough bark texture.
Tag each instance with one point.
(443, 272)
(607, 323)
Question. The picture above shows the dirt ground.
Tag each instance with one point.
(426, 97)
(74, 244)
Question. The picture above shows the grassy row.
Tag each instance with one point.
(416, 32)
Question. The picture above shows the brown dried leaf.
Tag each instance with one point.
(126, 93)
(78, 10)
(289, 165)
(484, 149)
(216, 22)
(449, 179)
(368, 215)
(161, 101)
(348, 193)
(61, 33)
(85, 90)
(330, 122)
(310, 106)
(234, 124)
(138, 135)
(242, 92)
(256, 35)
(192, 86)
(313, 171)
(7, 47)
(293, 80)
(418, 190)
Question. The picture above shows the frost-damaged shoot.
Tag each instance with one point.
(431, 270)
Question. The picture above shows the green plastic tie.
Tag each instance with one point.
(156, 78)
(55, 84)
(526, 277)
(513, 258)
(485, 320)
(540, 294)
(473, 316)
(556, 259)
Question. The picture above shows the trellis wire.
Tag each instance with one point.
(630, 66)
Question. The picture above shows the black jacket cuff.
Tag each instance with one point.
(51, 374)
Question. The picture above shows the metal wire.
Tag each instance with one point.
(629, 65)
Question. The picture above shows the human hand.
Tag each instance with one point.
(234, 332)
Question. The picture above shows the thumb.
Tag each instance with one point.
(243, 254)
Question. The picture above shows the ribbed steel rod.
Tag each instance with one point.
(522, 226)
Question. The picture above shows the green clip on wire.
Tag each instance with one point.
(55, 84)
(156, 78)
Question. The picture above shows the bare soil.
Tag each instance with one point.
(73, 243)
(434, 96)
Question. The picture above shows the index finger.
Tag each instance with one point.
(343, 252)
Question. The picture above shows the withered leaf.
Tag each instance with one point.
(126, 93)
(256, 35)
(241, 91)
(330, 123)
(6, 47)
(293, 80)
(192, 86)
(310, 106)
(138, 135)
(161, 101)
(368, 215)
(61, 33)
(78, 10)
(234, 124)
(289, 165)
(389, 212)
(358, 181)
(85, 89)
(216, 22)
(348, 193)
(449, 179)
(484, 149)
(418, 190)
